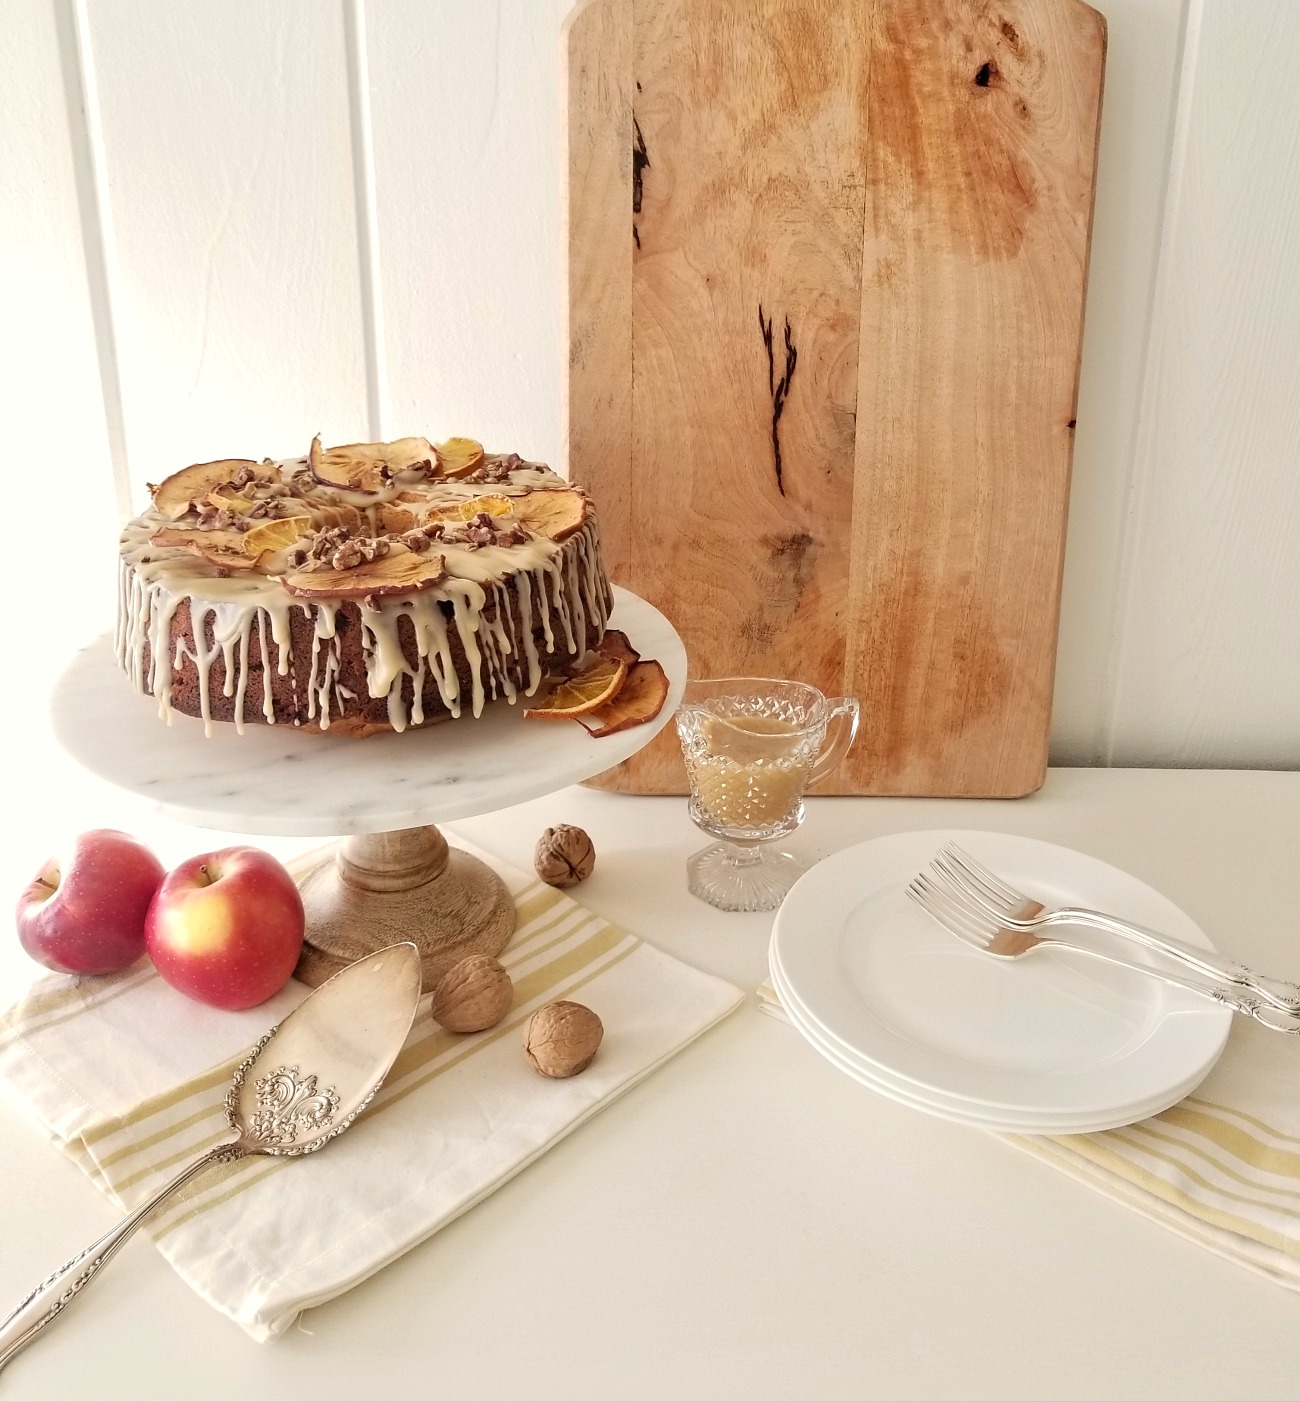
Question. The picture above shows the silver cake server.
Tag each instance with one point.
(302, 1084)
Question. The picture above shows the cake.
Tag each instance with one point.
(369, 587)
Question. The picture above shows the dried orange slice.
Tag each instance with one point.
(458, 456)
(468, 509)
(580, 695)
(640, 700)
(275, 534)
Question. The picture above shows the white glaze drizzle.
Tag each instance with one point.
(558, 587)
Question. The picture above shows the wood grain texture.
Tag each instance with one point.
(857, 266)
(598, 208)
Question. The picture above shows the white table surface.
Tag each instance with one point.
(749, 1223)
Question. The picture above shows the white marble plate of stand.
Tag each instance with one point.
(287, 783)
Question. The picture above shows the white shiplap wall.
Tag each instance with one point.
(225, 224)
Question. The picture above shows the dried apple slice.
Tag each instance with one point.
(618, 647)
(275, 534)
(367, 467)
(640, 699)
(224, 548)
(402, 572)
(172, 497)
(555, 514)
(458, 456)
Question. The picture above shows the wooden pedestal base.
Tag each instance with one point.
(380, 888)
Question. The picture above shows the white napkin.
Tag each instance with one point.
(128, 1077)
(1221, 1168)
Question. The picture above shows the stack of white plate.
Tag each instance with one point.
(1053, 1043)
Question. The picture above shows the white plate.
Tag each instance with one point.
(1053, 1035)
(960, 1112)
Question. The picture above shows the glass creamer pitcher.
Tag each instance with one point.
(753, 745)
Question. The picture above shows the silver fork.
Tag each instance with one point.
(1021, 912)
(974, 924)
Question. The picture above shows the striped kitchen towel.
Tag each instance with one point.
(128, 1077)
(1221, 1168)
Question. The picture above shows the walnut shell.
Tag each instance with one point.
(564, 855)
(561, 1039)
(472, 995)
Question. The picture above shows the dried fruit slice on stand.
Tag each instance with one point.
(458, 456)
(617, 646)
(640, 700)
(398, 573)
(370, 467)
(581, 694)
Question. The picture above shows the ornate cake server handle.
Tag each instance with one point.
(51, 1297)
(298, 1088)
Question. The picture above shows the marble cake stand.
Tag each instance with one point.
(392, 876)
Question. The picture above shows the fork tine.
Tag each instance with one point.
(958, 920)
(968, 897)
(981, 876)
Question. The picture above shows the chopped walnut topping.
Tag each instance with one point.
(359, 550)
(479, 534)
(213, 518)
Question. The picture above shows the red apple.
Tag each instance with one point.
(226, 928)
(87, 916)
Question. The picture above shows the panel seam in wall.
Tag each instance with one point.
(85, 139)
(363, 173)
(1139, 474)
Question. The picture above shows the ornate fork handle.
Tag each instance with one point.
(51, 1297)
(1276, 1019)
(1280, 993)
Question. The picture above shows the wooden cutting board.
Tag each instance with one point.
(826, 276)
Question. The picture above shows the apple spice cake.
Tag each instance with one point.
(369, 587)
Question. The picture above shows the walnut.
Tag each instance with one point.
(417, 540)
(561, 1039)
(347, 556)
(472, 995)
(479, 534)
(564, 855)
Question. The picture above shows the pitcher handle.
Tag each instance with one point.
(846, 710)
